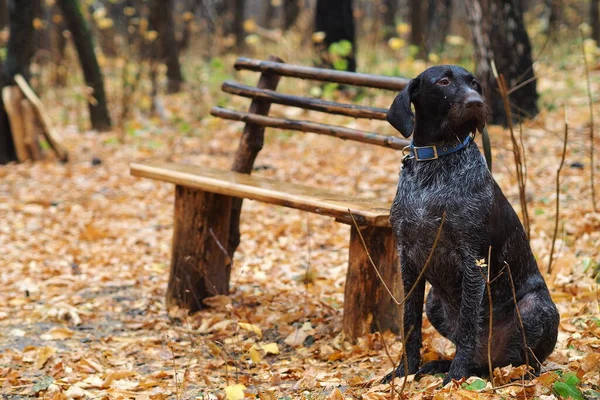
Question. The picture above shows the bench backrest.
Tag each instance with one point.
(264, 94)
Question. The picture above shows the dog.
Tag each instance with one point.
(446, 191)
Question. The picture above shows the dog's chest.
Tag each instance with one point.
(462, 192)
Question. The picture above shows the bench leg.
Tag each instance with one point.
(200, 266)
(368, 307)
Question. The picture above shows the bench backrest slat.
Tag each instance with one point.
(308, 103)
(326, 75)
(313, 127)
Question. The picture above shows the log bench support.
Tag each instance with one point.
(200, 265)
(368, 307)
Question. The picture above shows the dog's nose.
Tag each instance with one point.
(473, 100)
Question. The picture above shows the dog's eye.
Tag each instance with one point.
(444, 82)
(474, 83)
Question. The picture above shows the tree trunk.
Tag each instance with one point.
(439, 17)
(19, 51)
(417, 24)
(3, 14)
(161, 20)
(335, 19)
(84, 44)
(388, 10)
(291, 10)
(595, 20)
(238, 23)
(503, 40)
(554, 17)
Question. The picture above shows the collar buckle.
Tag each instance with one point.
(431, 148)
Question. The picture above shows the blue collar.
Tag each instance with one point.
(428, 153)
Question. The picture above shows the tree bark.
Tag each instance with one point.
(439, 17)
(499, 36)
(238, 23)
(291, 11)
(595, 20)
(388, 10)
(417, 24)
(368, 307)
(19, 51)
(336, 20)
(554, 17)
(3, 14)
(200, 265)
(167, 48)
(84, 44)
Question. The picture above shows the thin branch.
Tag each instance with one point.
(521, 177)
(427, 262)
(557, 217)
(591, 106)
(514, 293)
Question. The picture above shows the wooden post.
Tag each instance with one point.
(367, 305)
(12, 96)
(32, 131)
(200, 265)
(250, 144)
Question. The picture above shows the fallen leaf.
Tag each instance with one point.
(270, 348)
(251, 328)
(42, 355)
(235, 392)
(255, 354)
(57, 333)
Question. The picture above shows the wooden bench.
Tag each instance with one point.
(208, 201)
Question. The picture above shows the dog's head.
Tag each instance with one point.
(447, 99)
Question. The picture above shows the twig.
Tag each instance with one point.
(514, 293)
(591, 105)
(427, 262)
(492, 389)
(560, 166)
(491, 306)
(521, 178)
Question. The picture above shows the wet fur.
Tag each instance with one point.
(478, 216)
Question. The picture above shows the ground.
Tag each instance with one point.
(85, 247)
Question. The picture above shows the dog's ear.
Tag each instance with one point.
(400, 115)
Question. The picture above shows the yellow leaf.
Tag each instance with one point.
(235, 392)
(249, 25)
(255, 354)
(318, 37)
(270, 348)
(396, 43)
(250, 328)
(57, 334)
(402, 28)
(42, 355)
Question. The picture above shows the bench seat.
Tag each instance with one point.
(369, 212)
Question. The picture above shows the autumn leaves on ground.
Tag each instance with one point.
(85, 255)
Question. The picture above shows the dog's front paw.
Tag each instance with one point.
(457, 371)
(399, 373)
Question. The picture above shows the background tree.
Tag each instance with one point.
(335, 19)
(166, 47)
(595, 20)
(19, 51)
(388, 10)
(439, 17)
(499, 36)
(291, 10)
(84, 43)
(417, 26)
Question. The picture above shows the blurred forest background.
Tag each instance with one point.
(85, 247)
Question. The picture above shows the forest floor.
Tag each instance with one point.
(85, 250)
